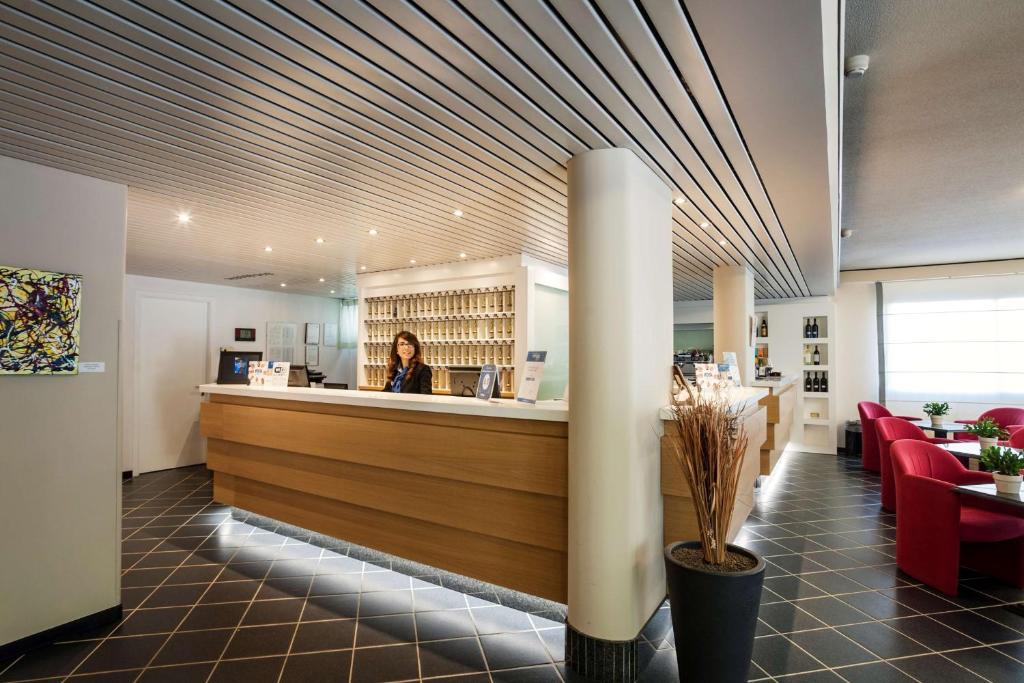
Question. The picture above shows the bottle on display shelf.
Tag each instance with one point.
(764, 326)
(815, 383)
(824, 382)
(816, 357)
(814, 329)
(807, 328)
(808, 385)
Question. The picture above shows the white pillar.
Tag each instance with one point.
(734, 306)
(620, 359)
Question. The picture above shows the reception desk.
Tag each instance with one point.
(680, 517)
(477, 488)
(780, 404)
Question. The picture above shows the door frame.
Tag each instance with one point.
(140, 296)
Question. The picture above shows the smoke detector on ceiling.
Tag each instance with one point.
(845, 232)
(856, 66)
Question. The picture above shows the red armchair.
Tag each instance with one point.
(1004, 417)
(1016, 436)
(935, 533)
(892, 429)
(869, 412)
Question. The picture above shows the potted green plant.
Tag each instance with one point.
(1005, 465)
(714, 587)
(936, 411)
(988, 432)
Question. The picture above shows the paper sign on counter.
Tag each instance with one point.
(532, 374)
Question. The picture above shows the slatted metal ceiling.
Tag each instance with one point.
(277, 123)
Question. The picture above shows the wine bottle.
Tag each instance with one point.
(816, 383)
(807, 328)
(807, 381)
(824, 382)
(764, 327)
(814, 329)
(816, 357)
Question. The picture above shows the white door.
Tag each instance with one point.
(170, 357)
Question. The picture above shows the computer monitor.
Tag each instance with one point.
(234, 366)
(297, 376)
(463, 381)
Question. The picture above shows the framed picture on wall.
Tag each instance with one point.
(312, 356)
(312, 333)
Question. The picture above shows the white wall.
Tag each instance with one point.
(59, 470)
(231, 307)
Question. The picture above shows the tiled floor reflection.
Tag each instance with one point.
(211, 598)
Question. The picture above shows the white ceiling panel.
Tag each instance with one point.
(277, 123)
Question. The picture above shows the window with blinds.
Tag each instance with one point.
(954, 339)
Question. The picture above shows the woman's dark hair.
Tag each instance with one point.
(394, 362)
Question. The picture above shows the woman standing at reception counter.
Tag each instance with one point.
(407, 373)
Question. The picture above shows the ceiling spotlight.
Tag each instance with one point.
(362, 267)
(704, 224)
(332, 291)
(321, 279)
(284, 284)
(457, 213)
(319, 240)
(722, 242)
(679, 201)
(183, 218)
(412, 260)
(373, 233)
(268, 249)
(462, 254)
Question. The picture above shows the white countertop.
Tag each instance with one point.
(550, 411)
(779, 383)
(736, 397)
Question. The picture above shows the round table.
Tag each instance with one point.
(945, 430)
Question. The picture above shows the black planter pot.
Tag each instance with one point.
(714, 616)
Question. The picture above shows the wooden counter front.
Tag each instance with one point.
(780, 403)
(477, 495)
(680, 518)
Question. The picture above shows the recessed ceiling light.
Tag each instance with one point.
(457, 213)
(321, 279)
(704, 224)
(284, 284)
(373, 233)
(462, 254)
(332, 291)
(722, 242)
(412, 260)
(268, 249)
(319, 240)
(362, 267)
(679, 201)
(183, 217)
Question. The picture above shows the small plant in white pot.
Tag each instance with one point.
(936, 411)
(1005, 465)
(988, 432)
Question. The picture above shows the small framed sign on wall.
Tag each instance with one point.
(312, 333)
(245, 334)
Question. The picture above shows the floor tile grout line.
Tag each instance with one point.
(298, 623)
(234, 632)
(476, 634)
(123, 619)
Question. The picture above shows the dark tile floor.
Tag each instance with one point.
(209, 597)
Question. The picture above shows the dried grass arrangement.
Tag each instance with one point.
(710, 451)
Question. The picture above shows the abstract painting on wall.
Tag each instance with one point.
(39, 322)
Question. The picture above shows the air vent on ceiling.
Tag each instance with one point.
(247, 276)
